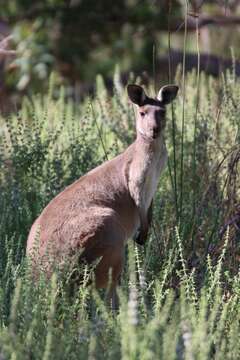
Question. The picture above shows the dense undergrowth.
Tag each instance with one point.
(179, 296)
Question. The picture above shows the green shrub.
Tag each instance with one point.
(179, 296)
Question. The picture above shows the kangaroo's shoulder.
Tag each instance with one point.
(103, 184)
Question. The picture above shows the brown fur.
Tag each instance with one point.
(101, 210)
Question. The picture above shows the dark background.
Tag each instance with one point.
(78, 39)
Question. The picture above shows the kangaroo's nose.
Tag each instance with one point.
(156, 131)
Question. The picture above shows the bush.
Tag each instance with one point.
(179, 297)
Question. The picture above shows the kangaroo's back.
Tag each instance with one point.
(83, 207)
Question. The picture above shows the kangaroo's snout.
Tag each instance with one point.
(156, 131)
(159, 123)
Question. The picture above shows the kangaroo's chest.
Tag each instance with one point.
(144, 177)
(151, 178)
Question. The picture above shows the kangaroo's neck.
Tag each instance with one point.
(146, 151)
(148, 160)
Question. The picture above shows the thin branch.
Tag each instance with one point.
(203, 20)
(175, 24)
(4, 44)
(7, 52)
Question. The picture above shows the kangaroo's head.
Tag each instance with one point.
(150, 115)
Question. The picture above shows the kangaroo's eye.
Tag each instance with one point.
(142, 114)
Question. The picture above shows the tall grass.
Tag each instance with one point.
(177, 301)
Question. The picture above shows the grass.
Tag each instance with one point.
(179, 296)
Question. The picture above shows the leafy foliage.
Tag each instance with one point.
(179, 297)
(82, 38)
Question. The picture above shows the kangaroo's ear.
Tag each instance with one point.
(167, 94)
(136, 94)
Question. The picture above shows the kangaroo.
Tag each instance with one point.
(112, 203)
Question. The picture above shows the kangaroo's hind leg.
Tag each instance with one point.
(108, 273)
(107, 245)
